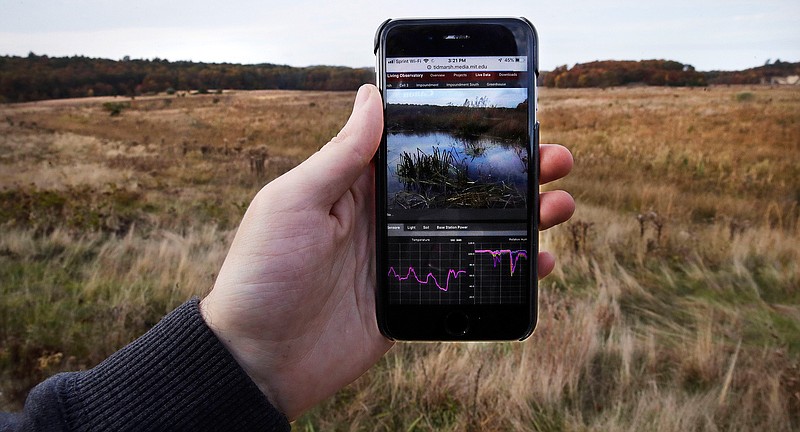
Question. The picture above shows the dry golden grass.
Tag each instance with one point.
(692, 154)
(675, 305)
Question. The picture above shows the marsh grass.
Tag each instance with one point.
(674, 305)
(437, 170)
(439, 180)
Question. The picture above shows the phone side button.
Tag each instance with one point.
(457, 323)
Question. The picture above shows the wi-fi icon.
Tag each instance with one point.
(425, 60)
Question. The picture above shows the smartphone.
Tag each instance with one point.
(457, 179)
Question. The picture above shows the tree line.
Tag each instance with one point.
(38, 77)
(756, 75)
(611, 73)
(470, 120)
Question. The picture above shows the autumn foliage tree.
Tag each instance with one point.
(612, 73)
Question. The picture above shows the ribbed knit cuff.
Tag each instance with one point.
(177, 376)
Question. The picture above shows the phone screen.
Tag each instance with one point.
(457, 180)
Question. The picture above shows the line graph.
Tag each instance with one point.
(435, 271)
(497, 257)
(506, 279)
(450, 273)
(447, 270)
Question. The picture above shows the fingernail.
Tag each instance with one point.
(362, 95)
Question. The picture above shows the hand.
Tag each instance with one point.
(294, 301)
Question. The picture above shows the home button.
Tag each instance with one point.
(457, 323)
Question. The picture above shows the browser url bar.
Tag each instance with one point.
(456, 64)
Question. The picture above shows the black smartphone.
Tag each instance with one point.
(457, 191)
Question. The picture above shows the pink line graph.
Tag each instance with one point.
(497, 256)
(450, 273)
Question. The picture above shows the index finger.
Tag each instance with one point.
(555, 162)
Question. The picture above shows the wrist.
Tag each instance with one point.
(236, 346)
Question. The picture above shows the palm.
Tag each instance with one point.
(333, 321)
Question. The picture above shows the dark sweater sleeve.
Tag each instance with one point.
(177, 376)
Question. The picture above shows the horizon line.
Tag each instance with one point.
(769, 62)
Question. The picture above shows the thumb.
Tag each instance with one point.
(337, 165)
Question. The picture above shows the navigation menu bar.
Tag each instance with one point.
(418, 80)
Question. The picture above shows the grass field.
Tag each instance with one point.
(675, 305)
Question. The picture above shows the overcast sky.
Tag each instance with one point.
(708, 34)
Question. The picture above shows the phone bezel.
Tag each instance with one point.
(443, 322)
